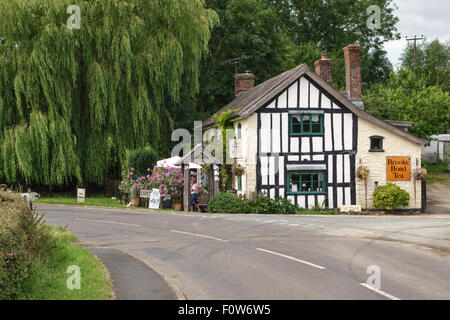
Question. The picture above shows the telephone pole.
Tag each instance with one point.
(414, 39)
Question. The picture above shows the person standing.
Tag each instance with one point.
(194, 196)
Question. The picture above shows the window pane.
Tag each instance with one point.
(316, 128)
(296, 128)
(315, 184)
(315, 118)
(306, 181)
(321, 182)
(306, 123)
(295, 119)
(375, 143)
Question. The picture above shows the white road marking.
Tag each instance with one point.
(292, 258)
(199, 235)
(111, 222)
(270, 221)
(293, 225)
(390, 296)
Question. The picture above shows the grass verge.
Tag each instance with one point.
(49, 282)
(105, 202)
(437, 173)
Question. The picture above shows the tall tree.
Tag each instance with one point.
(333, 24)
(250, 34)
(72, 101)
(407, 97)
(432, 62)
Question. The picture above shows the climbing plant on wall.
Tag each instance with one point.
(72, 101)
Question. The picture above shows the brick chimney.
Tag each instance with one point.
(352, 71)
(324, 68)
(243, 82)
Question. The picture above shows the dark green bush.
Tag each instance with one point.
(141, 160)
(230, 203)
(23, 242)
(389, 197)
(227, 203)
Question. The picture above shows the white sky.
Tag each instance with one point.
(416, 17)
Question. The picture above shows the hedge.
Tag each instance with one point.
(23, 240)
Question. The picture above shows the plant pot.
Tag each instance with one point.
(178, 206)
(167, 204)
(135, 202)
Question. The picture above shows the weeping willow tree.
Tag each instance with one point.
(72, 101)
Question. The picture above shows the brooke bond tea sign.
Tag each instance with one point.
(398, 168)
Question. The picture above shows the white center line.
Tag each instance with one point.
(292, 258)
(390, 296)
(111, 222)
(199, 235)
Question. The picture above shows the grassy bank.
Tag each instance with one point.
(34, 257)
(49, 281)
(104, 202)
(437, 173)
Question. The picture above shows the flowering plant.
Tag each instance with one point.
(419, 173)
(362, 173)
(168, 180)
(237, 170)
(127, 181)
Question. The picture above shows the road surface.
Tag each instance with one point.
(214, 256)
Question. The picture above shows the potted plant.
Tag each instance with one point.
(419, 174)
(237, 170)
(363, 173)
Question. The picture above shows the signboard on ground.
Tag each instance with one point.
(145, 193)
(155, 198)
(81, 195)
(398, 168)
(30, 196)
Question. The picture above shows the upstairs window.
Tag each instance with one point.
(376, 144)
(239, 131)
(306, 124)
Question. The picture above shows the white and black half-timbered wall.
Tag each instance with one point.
(307, 144)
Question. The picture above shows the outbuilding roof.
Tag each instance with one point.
(250, 101)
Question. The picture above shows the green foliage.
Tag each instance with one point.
(389, 197)
(230, 203)
(432, 62)
(141, 160)
(73, 101)
(405, 97)
(49, 282)
(332, 25)
(23, 241)
(226, 203)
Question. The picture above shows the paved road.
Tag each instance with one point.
(275, 257)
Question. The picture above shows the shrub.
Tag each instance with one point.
(230, 203)
(23, 240)
(141, 159)
(266, 205)
(227, 203)
(389, 197)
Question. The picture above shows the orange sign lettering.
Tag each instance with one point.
(398, 168)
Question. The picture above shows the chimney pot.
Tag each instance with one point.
(324, 68)
(243, 82)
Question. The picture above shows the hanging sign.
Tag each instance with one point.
(398, 168)
(235, 148)
(155, 198)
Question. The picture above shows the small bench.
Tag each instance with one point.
(203, 202)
